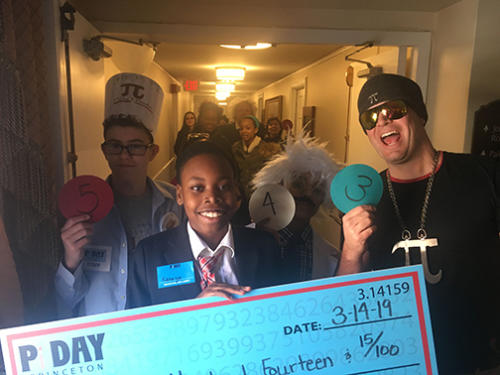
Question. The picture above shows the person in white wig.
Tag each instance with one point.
(142, 207)
(306, 169)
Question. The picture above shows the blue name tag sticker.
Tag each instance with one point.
(356, 185)
(175, 274)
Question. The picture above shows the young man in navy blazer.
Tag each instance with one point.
(167, 267)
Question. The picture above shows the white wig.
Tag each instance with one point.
(229, 111)
(303, 155)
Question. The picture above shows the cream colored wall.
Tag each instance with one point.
(88, 80)
(485, 72)
(450, 71)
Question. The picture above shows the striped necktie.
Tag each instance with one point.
(207, 267)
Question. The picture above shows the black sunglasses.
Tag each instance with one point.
(392, 110)
(116, 148)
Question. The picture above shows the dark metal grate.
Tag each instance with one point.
(27, 157)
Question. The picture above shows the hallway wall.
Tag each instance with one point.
(449, 78)
(485, 72)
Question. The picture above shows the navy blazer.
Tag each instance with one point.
(256, 258)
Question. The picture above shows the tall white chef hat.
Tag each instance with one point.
(134, 95)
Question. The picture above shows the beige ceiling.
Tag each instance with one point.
(196, 61)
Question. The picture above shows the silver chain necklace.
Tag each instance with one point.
(422, 241)
(421, 232)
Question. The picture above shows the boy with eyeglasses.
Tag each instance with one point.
(142, 207)
(438, 209)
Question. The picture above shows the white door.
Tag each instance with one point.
(260, 107)
(299, 102)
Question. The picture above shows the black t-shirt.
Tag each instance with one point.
(464, 216)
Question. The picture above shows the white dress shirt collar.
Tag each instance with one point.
(198, 245)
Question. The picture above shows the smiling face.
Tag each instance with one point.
(189, 119)
(248, 130)
(398, 141)
(209, 194)
(274, 128)
(125, 165)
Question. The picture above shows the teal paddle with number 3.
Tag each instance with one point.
(356, 185)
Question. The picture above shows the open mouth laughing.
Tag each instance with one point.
(390, 137)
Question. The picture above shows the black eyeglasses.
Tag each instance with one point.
(116, 148)
(392, 110)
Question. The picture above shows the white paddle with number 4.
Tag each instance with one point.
(274, 204)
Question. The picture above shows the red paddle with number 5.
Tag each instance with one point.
(86, 195)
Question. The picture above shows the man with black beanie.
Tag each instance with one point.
(438, 209)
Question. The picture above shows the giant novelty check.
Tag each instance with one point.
(374, 322)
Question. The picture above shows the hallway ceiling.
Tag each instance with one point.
(180, 11)
(196, 61)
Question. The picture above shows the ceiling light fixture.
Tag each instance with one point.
(225, 87)
(230, 74)
(221, 95)
(247, 46)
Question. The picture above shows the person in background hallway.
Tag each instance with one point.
(223, 121)
(182, 136)
(209, 117)
(287, 126)
(274, 132)
(306, 169)
(142, 207)
(225, 260)
(225, 136)
(251, 153)
(446, 203)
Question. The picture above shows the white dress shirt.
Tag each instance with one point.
(225, 269)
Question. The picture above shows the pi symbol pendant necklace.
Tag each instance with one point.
(421, 241)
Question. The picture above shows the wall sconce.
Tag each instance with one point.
(95, 48)
(128, 55)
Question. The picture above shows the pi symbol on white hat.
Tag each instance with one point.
(130, 94)
(137, 93)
